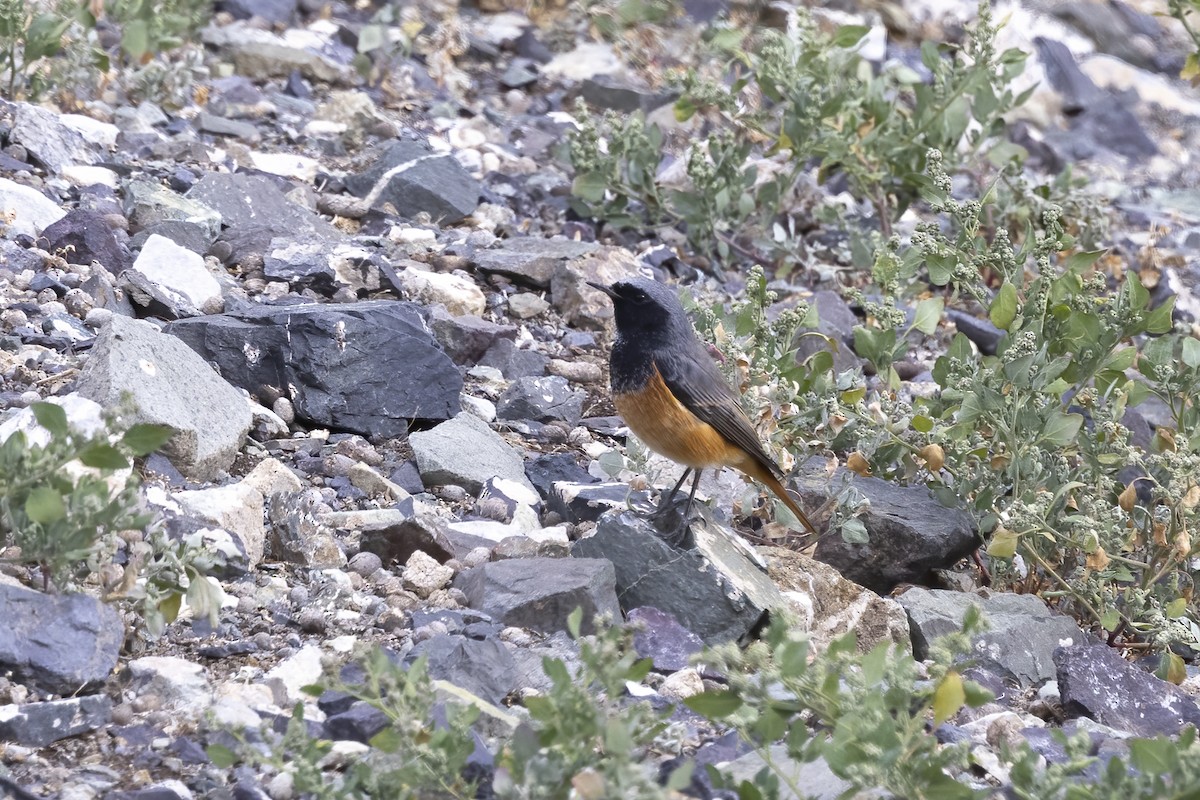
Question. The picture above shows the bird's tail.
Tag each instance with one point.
(765, 477)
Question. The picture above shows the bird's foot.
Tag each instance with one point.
(673, 521)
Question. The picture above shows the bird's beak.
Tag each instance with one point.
(602, 288)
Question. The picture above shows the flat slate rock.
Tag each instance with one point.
(540, 593)
(1094, 681)
(255, 201)
(368, 367)
(1022, 632)
(60, 643)
(910, 532)
(412, 179)
(40, 724)
(717, 590)
(465, 452)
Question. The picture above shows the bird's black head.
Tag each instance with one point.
(644, 307)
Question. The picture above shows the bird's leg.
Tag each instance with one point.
(664, 503)
(675, 527)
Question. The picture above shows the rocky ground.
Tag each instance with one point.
(363, 311)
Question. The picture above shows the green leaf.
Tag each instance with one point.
(1191, 352)
(948, 698)
(590, 186)
(1110, 619)
(1060, 429)
(169, 606)
(144, 438)
(45, 505)
(1003, 544)
(929, 312)
(714, 705)
(1159, 320)
(575, 622)
(922, 423)
(135, 39)
(855, 532)
(388, 740)
(1176, 608)
(1154, 756)
(849, 35)
(1081, 261)
(1004, 308)
(51, 417)
(103, 456)
(221, 756)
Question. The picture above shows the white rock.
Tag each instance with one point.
(682, 684)
(180, 271)
(26, 210)
(84, 175)
(289, 165)
(288, 677)
(424, 575)
(181, 685)
(94, 131)
(479, 406)
(458, 294)
(586, 61)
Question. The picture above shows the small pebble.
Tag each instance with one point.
(365, 564)
(284, 409)
(311, 620)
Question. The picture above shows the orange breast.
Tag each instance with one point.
(668, 428)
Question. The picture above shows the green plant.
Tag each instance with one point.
(803, 97)
(29, 36)
(153, 26)
(866, 715)
(1183, 11)
(60, 498)
(65, 502)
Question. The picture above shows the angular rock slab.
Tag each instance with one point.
(251, 201)
(718, 590)
(40, 724)
(411, 178)
(368, 367)
(910, 532)
(540, 593)
(170, 385)
(483, 667)
(58, 643)
(1094, 681)
(1022, 634)
(466, 452)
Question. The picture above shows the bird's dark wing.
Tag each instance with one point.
(693, 377)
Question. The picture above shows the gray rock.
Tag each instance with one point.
(58, 643)
(368, 367)
(83, 237)
(54, 144)
(541, 400)
(466, 338)
(587, 502)
(295, 535)
(40, 724)
(26, 210)
(148, 203)
(412, 179)
(222, 126)
(1021, 638)
(185, 234)
(259, 54)
(549, 469)
(170, 385)
(1096, 682)
(540, 593)
(619, 94)
(320, 263)
(245, 201)
(910, 531)
(175, 684)
(663, 640)
(482, 667)
(513, 362)
(716, 590)
(279, 11)
(466, 452)
(817, 779)
(531, 260)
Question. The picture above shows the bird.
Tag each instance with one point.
(672, 395)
